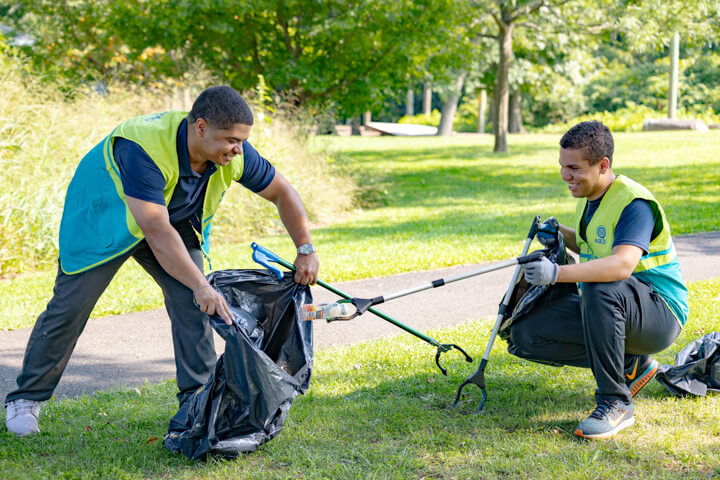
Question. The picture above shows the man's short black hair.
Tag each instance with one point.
(593, 138)
(222, 107)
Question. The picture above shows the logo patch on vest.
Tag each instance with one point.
(600, 235)
(156, 117)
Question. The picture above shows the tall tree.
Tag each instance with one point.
(352, 52)
(502, 18)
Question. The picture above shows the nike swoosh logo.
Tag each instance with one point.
(631, 376)
(614, 423)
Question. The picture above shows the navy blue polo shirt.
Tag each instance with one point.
(142, 179)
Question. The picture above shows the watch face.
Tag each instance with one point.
(306, 249)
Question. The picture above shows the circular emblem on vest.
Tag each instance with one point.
(601, 232)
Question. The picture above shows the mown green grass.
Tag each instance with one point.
(435, 202)
(381, 410)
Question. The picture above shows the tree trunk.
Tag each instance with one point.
(515, 124)
(449, 107)
(427, 98)
(492, 114)
(501, 87)
(673, 87)
(355, 126)
(410, 102)
(367, 118)
(482, 107)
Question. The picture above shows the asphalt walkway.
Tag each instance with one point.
(128, 350)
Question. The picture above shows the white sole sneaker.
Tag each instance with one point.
(22, 417)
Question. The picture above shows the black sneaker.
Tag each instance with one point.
(608, 418)
(641, 371)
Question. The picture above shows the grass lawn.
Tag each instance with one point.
(381, 410)
(435, 202)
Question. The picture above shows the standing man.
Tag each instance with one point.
(633, 299)
(149, 191)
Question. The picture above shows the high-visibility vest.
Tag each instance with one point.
(97, 224)
(659, 267)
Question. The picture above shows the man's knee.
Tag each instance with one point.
(597, 294)
(521, 341)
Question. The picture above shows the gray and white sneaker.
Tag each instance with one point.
(22, 417)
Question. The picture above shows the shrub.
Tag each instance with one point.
(629, 119)
(422, 119)
(45, 132)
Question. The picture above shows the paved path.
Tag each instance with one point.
(127, 350)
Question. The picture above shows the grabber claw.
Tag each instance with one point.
(264, 257)
(478, 378)
(444, 347)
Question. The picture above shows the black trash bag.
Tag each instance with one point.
(525, 295)
(696, 370)
(267, 363)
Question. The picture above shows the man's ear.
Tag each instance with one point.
(201, 127)
(604, 165)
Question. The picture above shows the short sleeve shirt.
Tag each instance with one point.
(142, 179)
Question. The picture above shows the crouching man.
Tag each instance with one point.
(633, 299)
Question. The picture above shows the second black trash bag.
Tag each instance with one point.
(696, 370)
(267, 363)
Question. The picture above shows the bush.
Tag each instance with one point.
(44, 134)
(629, 119)
(422, 119)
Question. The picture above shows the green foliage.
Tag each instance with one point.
(344, 51)
(629, 119)
(44, 134)
(466, 119)
(422, 119)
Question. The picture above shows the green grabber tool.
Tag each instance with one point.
(264, 257)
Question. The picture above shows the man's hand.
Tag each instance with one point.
(547, 232)
(306, 269)
(541, 272)
(211, 302)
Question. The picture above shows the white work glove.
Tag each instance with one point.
(541, 272)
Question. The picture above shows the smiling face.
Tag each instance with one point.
(219, 145)
(584, 180)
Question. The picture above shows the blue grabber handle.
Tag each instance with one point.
(263, 256)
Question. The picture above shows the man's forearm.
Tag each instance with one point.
(293, 216)
(617, 266)
(172, 254)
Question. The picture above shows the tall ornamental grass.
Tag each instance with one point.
(44, 132)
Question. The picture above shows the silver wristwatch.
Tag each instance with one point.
(306, 249)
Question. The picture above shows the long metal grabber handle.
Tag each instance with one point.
(478, 378)
(444, 281)
(264, 257)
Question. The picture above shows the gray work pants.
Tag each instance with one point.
(58, 328)
(602, 329)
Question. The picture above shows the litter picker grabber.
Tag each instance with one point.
(362, 305)
(264, 257)
(478, 378)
